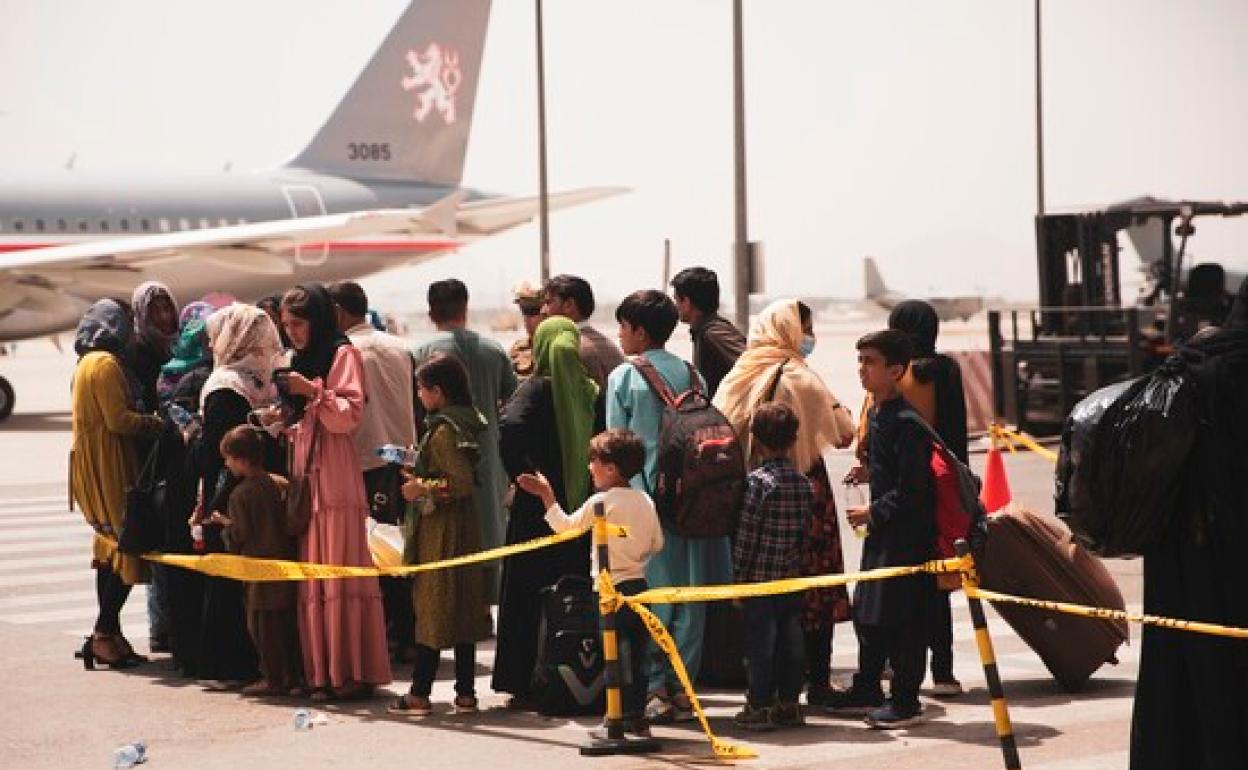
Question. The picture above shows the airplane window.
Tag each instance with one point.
(163, 225)
(242, 221)
(61, 225)
(125, 224)
(223, 222)
(103, 225)
(18, 225)
(204, 223)
(39, 225)
(184, 224)
(82, 225)
(145, 225)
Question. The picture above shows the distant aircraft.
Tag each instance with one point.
(377, 187)
(947, 308)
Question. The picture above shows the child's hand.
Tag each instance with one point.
(858, 515)
(537, 485)
(218, 519)
(412, 489)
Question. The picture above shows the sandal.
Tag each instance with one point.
(261, 689)
(465, 704)
(353, 691)
(410, 706)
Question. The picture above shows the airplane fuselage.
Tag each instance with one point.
(71, 207)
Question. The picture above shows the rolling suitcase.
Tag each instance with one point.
(1036, 556)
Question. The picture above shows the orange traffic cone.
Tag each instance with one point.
(995, 494)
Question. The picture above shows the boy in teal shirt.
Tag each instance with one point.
(647, 319)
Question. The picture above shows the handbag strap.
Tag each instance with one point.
(775, 383)
(307, 460)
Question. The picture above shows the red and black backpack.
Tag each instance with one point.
(701, 465)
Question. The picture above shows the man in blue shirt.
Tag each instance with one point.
(647, 319)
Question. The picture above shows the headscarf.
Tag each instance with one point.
(144, 296)
(775, 339)
(244, 345)
(107, 325)
(189, 351)
(918, 319)
(557, 356)
(324, 338)
(197, 310)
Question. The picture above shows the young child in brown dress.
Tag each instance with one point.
(255, 525)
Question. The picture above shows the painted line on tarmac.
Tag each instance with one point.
(83, 574)
(85, 612)
(79, 544)
(46, 519)
(42, 533)
(39, 600)
(36, 562)
(34, 500)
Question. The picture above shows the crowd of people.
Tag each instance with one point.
(289, 399)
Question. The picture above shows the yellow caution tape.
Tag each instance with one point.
(681, 594)
(1012, 439)
(1102, 613)
(611, 601)
(270, 570)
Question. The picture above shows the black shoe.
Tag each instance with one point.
(853, 702)
(787, 715)
(892, 717)
(752, 718)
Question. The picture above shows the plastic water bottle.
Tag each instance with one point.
(303, 719)
(130, 755)
(197, 537)
(397, 455)
(180, 416)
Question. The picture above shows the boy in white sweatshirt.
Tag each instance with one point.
(615, 456)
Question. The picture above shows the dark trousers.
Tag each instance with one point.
(940, 635)
(632, 640)
(904, 647)
(396, 602)
(425, 670)
(111, 593)
(775, 655)
(819, 658)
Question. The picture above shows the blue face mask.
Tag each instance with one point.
(808, 345)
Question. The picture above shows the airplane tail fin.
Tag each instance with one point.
(409, 112)
(873, 282)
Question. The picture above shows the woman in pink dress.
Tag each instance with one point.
(341, 625)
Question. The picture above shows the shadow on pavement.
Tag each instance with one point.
(37, 422)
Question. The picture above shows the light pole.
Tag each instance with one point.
(1040, 208)
(741, 243)
(542, 205)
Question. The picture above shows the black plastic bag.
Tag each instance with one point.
(1123, 453)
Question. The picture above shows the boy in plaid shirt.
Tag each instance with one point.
(768, 546)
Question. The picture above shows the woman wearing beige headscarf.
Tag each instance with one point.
(244, 344)
(773, 368)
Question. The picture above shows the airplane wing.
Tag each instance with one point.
(30, 278)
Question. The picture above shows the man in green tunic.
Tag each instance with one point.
(493, 381)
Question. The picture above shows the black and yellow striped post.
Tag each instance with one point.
(1000, 712)
(613, 740)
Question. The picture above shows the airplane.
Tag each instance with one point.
(947, 308)
(378, 186)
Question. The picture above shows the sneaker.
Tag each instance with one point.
(787, 715)
(853, 702)
(659, 710)
(947, 688)
(752, 718)
(891, 717)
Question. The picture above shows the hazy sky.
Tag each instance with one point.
(898, 128)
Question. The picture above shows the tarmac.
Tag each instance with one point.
(57, 715)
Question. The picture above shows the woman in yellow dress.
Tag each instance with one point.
(103, 465)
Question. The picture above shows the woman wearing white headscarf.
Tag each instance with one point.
(773, 368)
(244, 345)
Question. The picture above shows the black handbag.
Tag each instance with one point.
(384, 489)
(142, 529)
